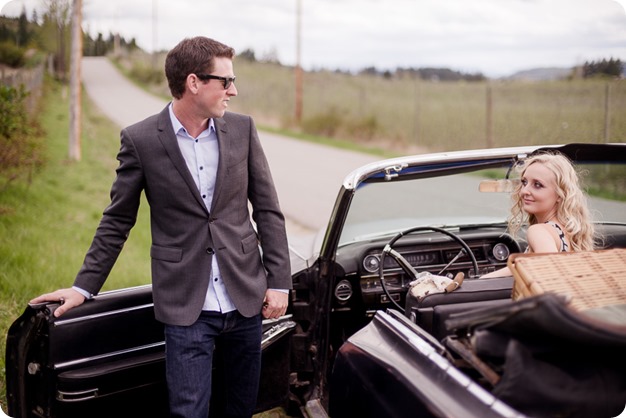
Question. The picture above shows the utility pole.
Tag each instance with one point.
(607, 113)
(75, 90)
(489, 118)
(298, 106)
(154, 33)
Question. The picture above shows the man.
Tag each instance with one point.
(199, 166)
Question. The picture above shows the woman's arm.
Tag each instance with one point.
(542, 238)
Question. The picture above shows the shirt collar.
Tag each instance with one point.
(178, 126)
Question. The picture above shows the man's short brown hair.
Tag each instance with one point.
(192, 55)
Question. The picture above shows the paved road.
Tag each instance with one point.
(307, 176)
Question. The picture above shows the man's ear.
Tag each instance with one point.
(193, 83)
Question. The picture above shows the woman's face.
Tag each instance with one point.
(539, 193)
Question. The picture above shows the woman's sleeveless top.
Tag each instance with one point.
(564, 245)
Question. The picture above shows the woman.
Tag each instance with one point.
(549, 198)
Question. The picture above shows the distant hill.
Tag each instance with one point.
(541, 74)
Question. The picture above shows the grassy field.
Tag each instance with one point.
(413, 115)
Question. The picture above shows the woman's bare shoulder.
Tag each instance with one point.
(542, 238)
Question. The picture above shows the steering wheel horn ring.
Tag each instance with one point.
(406, 266)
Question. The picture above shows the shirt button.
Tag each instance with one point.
(201, 167)
(215, 279)
(204, 196)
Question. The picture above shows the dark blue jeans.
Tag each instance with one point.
(190, 360)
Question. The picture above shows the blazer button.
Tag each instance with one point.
(210, 251)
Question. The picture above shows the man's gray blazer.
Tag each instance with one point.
(185, 234)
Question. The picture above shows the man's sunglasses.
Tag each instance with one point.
(227, 81)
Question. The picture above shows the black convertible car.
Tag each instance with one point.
(356, 341)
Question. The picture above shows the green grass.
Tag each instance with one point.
(46, 226)
(415, 115)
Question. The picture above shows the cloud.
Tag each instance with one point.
(622, 3)
(14, 7)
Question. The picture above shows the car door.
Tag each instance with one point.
(106, 358)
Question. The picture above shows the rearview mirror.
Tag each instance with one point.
(497, 186)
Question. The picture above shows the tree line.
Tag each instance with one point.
(611, 67)
(428, 73)
(26, 40)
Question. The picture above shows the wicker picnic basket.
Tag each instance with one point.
(591, 279)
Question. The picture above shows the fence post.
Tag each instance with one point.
(489, 117)
(607, 112)
(416, 110)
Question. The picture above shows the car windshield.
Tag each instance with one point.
(385, 208)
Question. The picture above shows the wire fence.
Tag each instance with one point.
(413, 113)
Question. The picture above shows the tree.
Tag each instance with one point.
(248, 55)
(5, 33)
(23, 35)
(57, 18)
(611, 67)
(19, 152)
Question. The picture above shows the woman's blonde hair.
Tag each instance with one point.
(572, 209)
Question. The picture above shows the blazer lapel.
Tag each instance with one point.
(168, 139)
(222, 166)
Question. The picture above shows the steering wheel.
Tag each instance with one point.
(407, 267)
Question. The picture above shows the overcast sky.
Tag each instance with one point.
(494, 37)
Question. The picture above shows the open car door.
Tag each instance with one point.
(107, 358)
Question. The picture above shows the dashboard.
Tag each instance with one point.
(358, 287)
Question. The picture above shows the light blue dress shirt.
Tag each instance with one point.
(202, 157)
